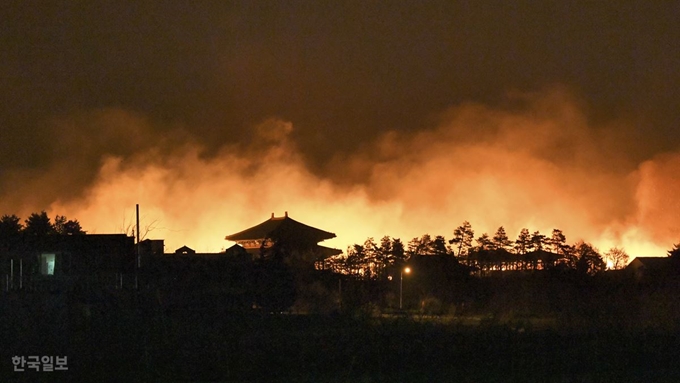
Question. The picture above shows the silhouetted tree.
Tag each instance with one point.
(354, 263)
(413, 247)
(589, 261)
(618, 257)
(10, 225)
(37, 229)
(381, 257)
(10, 235)
(501, 240)
(130, 229)
(523, 242)
(558, 242)
(538, 241)
(419, 246)
(38, 225)
(398, 252)
(484, 242)
(463, 236)
(384, 254)
(559, 246)
(438, 246)
(65, 226)
(371, 258)
(675, 252)
(567, 257)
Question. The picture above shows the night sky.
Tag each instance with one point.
(357, 95)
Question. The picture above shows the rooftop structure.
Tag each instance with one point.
(296, 235)
(653, 267)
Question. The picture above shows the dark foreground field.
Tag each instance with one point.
(129, 340)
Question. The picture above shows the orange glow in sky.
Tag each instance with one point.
(540, 168)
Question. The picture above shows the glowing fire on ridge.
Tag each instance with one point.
(534, 169)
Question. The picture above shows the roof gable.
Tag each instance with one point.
(185, 250)
(281, 227)
(651, 263)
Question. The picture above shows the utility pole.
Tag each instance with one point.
(139, 258)
(401, 284)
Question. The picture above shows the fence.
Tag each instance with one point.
(38, 282)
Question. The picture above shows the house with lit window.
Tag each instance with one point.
(59, 260)
(89, 254)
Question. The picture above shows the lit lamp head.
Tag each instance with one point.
(407, 270)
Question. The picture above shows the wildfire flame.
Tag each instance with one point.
(540, 166)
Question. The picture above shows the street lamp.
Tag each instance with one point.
(401, 284)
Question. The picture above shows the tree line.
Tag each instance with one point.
(15, 235)
(530, 250)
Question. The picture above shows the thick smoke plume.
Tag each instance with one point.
(537, 162)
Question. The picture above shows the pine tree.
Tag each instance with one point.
(501, 240)
(484, 242)
(523, 242)
(463, 236)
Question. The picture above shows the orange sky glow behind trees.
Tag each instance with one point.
(538, 164)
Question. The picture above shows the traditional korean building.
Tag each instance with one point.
(296, 238)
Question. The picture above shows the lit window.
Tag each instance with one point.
(47, 261)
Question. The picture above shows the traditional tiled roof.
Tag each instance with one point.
(280, 226)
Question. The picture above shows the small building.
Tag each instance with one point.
(185, 250)
(87, 254)
(235, 252)
(298, 239)
(58, 261)
(652, 267)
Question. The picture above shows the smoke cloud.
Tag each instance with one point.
(536, 162)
